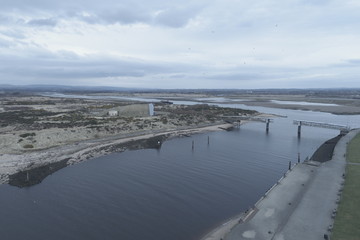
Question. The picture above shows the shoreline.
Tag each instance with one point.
(219, 232)
(22, 163)
(242, 227)
(336, 110)
(332, 105)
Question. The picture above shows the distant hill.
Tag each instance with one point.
(318, 92)
(60, 88)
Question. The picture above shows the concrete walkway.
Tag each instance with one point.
(353, 163)
(301, 206)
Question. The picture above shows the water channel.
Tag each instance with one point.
(174, 193)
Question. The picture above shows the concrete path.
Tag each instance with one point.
(301, 206)
(353, 163)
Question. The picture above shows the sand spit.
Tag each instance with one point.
(336, 109)
(11, 164)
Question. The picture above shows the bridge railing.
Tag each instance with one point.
(256, 119)
(320, 124)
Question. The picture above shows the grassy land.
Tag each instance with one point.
(353, 154)
(347, 222)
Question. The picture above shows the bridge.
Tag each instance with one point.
(342, 128)
(238, 119)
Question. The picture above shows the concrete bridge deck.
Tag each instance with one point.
(320, 125)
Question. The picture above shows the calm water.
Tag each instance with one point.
(167, 194)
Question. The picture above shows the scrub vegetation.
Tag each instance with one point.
(25, 124)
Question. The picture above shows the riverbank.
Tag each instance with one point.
(336, 107)
(18, 168)
(301, 205)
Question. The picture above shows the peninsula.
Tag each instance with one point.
(44, 134)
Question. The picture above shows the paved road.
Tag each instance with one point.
(301, 205)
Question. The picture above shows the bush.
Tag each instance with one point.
(27, 135)
(28, 146)
(164, 120)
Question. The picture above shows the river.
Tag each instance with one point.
(174, 193)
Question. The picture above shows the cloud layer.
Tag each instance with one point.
(181, 44)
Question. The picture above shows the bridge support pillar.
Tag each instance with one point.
(267, 125)
(299, 130)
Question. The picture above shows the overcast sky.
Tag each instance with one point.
(181, 43)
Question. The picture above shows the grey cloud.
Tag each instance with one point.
(63, 70)
(350, 63)
(78, 5)
(66, 66)
(68, 54)
(235, 76)
(354, 61)
(5, 43)
(50, 22)
(105, 12)
(3, 19)
(177, 76)
(36, 4)
(229, 27)
(126, 16)
(257, 73)
(41, 64)
(172, 17)
(176, 17)
(7, 20)
(13, 33)
(253, 73)
(316, 2)
(120, 16)
(63, 73)
(90, 19)
(16, 39)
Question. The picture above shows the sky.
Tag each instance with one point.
(228, 44)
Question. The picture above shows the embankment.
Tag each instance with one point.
(300, 205)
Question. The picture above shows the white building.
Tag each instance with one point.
(113, 113)
(131, 110)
